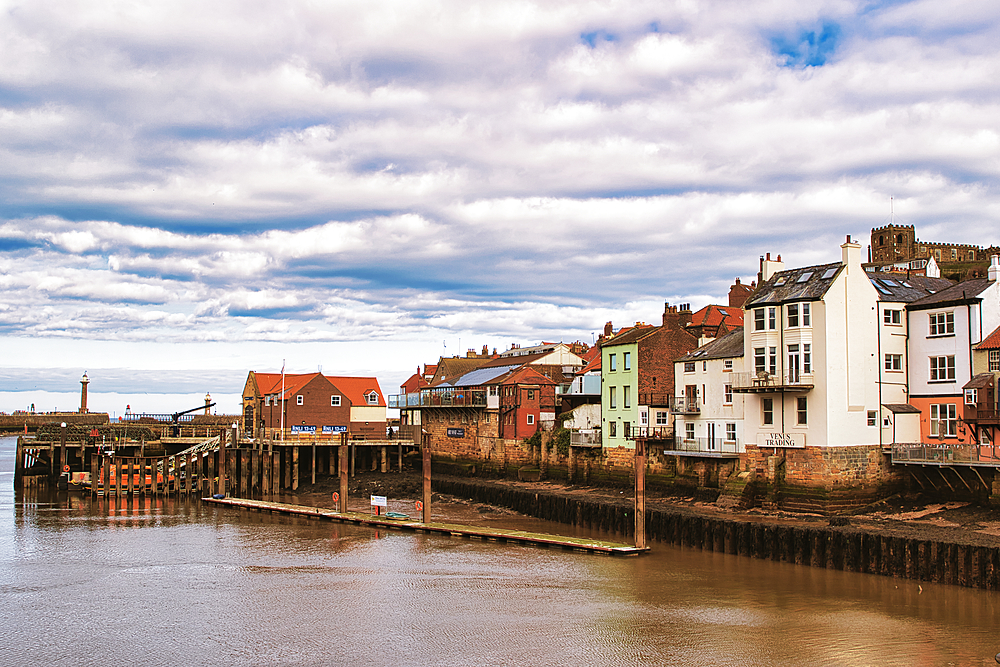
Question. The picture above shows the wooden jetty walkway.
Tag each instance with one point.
(454, 530)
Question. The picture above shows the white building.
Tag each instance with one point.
(708, 413)
(944, 327)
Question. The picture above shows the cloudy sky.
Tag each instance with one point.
(204, 188)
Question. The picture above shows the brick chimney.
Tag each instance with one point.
(676, 318)
(738, 294)
(608, 329)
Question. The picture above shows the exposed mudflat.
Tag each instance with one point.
(911, 516)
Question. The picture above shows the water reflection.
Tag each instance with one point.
(165, 581)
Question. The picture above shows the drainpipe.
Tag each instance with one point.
(881, 365)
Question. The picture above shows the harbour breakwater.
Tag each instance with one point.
(839, 547)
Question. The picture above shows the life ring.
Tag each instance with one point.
(336, 497)
(420, 506)
(65, 468)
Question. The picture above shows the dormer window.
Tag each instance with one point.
(372, 398)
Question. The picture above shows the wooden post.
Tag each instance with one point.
(129, 471)
(295, 468)
(154, 477)
(331, 459)
(243, 474)
(275, 472)
(354, 456)
(118, 478)
(255, 472)
(399, 451)
(425, 449)
(94, 475)
(543, 455)
(313, 462)
(107, 476)
(19, 465)
(343, 476)
(385, 459)
(213, 483)
(571, 464)
(640, 493)
(222, 463)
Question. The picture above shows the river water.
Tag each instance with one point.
(173, 582)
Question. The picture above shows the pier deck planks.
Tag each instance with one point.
(498, 534)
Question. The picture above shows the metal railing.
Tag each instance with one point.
(764, 380)
(585, 438)
(650, 432)
(704, 445)
(440, 398)
(946, 454)
(655, 399)
(685, 405)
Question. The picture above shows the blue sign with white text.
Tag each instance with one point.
(334, 429)
(302, 428)
(456, 433)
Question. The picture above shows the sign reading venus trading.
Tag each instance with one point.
(781, 440)
(456, 433)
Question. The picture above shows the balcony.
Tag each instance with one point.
(711, 447)
(588, 438)
(685, 405)
(650, 433)
(662, 400)
(983, 415)
(450, 397)
(766, 383)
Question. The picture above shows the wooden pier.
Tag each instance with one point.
(454, 530)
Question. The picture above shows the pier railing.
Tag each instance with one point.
(946, 454)
(706, 446)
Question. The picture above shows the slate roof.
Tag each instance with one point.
(960, 293)
(907, 289)
(991, 342)
(980, 381)
(901, 408)
(803, 284)
(452, 368)
(725, 347)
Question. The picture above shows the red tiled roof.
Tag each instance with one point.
(593, 365)
(355, 389)
(713, 316)
(992, 342)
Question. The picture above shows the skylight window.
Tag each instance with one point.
(780, 281)
(805, 276)
(890, 282)
(828, 273)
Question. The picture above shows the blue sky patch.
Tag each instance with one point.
(808, 48)
(592, 39)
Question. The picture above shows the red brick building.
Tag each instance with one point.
(313, 403)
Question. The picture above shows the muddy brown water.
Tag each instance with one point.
(170, 582)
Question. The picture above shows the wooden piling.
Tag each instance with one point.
(426, 452)
(343, 475)
(640, 493)
(312, 463)
(295, 468)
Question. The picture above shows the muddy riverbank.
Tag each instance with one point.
(905, 536)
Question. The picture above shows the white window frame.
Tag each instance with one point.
(662, 417)
(772, 318)
(531, 420)
(613, 398)
(893, 362)
(372, 398)
(942, 368)
(727, 365)
(727, 394)
(892, 317)
(299, 400)
(626, 397)
(994, 361)
(807, 366)
(802, 411)
(971, 396)
(335, 400)
(941, 324)
(806, 315)
(793, 315)
(944, 420)
(758, 319)
(612, 362)
(626, 361)
(689, 430)
(730, 432)
(767, 411)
